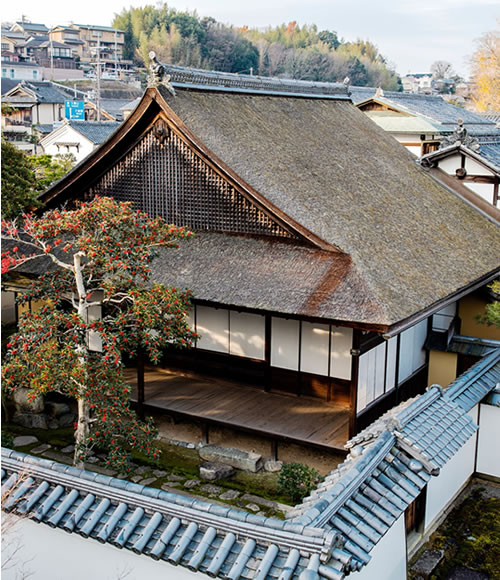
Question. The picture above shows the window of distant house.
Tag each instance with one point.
(35, 74)
(11, 73)
(5, 46)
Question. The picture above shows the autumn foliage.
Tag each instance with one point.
(98, 306)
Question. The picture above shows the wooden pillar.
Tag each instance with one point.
(140, 383)
(355, 352)
(267, 354)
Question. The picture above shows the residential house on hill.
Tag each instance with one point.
(79, 138)
(30, 28)
(324, 259)
(37, 108)
(419, 122)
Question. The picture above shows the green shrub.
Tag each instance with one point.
(7, 439)
(297, 480)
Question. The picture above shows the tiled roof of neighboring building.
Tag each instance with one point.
(329, 535)
(433, 107)
(32, 26)
(95, 131)
(44, 92)
(490, 148)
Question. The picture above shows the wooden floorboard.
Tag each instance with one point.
(297, 418)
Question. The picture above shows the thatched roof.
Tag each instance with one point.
(338, 179)
(328, 167)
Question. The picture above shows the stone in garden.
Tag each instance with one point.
(259, 500)
(466, 574)
(252, 507)
(136, 478)
(190, 483)
(428, 562)
(30, 420)
(66, 420)
(53, 424)
(211, 489)
(92, 459)
(148, 481)
(174, 477)
(24, 404)
(41, 448)
(142, 470)
(57, 409)
(273, 466)
(212, 471)
(23, 440)
(159, 473)
(169, 485)
(230, 494)
(248, 461)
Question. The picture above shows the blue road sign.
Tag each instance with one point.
(74, 110)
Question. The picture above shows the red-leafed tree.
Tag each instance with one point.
(98, 306)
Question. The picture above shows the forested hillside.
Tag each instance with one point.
(289, 50)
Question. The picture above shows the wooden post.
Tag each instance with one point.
(140, 384)
(356, 340)
(267, 354)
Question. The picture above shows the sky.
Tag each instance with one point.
(411, 34)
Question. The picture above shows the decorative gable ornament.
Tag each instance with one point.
(158, 74)
(460, 137)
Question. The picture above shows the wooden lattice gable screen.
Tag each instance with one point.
(163, 176)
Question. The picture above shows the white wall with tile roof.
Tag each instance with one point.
(388, 557)
(441, 490)
(44, 553)
(488, 457)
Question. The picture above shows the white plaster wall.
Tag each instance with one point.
(247, 334)
(314, 348)
(450, 164)
(388, 556)
(67, 134)
(45, 553)
(475, 168)
(441, 490)
(417, 151)
(285, 343)
(484, 190)
(340, 355)
(488, 457)
(212, 324)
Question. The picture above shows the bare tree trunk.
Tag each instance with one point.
(83, 428)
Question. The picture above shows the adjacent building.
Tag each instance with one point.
(79, 138)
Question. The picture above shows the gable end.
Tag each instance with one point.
(163, 176)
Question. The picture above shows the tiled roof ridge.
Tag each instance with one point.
(458, 387)
(207, 79)
(168, 503)
(401, 429)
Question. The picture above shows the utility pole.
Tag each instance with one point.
(51, 56)
(98, 33)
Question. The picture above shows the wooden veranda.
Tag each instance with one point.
(301, 420)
